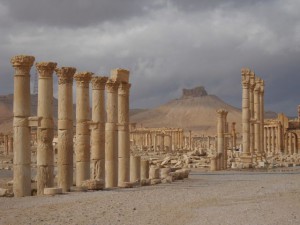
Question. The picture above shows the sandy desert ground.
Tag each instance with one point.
(258, 197)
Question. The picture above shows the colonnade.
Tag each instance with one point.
(102, 145)
(158, 138)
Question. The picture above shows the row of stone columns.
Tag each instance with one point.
(8, 144)
(109, 156)
(252, 115)
(290, 145)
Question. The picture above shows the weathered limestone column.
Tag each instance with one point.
(111, 135)
(225, 129)
(265, 138)
(144, 169)
(135, 168)
(5, 144)
(22, 154)
(280, 138)
(262, 114)
(233, 135)
(10, 145)
(251, 108)
(123, 126)
(162, 142)
(257, 125)
(65, 127)
(98, 130)
(220, 136)
(246, 158)
(45, 132)
(190, 140)
(268, 150)
(82, 145)
(273, 140)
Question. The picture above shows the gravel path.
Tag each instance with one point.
(229, 197)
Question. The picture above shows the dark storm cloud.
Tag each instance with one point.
(75, 13)
(167, 44)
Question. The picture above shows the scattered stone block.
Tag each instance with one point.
(52, 191)
(93, 184)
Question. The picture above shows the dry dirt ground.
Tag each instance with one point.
(228, 197)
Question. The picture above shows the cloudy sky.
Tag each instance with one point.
(166, 44)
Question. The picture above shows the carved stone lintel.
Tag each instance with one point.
(98, 83)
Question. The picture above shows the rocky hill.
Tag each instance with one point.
(195, 110)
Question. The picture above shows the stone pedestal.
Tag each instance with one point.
(22, 154)
(135, 168)
(82, 146)
(98, 131)
(65, 127)
(111, 135)
(45, 132)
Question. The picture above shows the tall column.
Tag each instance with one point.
(111, 135)
(190, 140)
(265, 140)
(45, 132)
(82, 145)
(262, 113)
(98, 131)
(65, 127)
(257, 125)
(162, 142)
(123, 133)
(269, 136)
(22, 154)
(246, 116)
(273, 140)
(233, 135)
(5, 144)
(280, 138)
(225, 129)
(220, 138)
(251, 108)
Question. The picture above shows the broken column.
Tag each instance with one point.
(65, 127)
(22, 154)
(82, 145)
(98, 131)
(220, 136)
(111, 134)
(135, 168)
(45, 132)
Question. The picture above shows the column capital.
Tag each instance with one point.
(222, 112)
(65, 75)
(45, 69)
(83, 78)
(252, 80)
(98, 83)
(245, 77)
(124, 88)
(112, 85)
(22, 64)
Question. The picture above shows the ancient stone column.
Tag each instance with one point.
(135, 168)
(65, 127)
(265, 141)
(251, 108)
(262, 114)
(45, 132)
(111, 135)
(225, 129)
(233, 135)
(220, 138)
(98, 131)
(144, 169)
(162, 142)
(123, 127)
(257, 125)
(190, 140)
(10, 144)
(273, 140)
(246, 158)
(22, 154)
(5, 144)
(82, 145)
